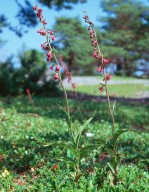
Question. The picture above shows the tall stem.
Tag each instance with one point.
(65, 93)
(60, 78)
(108, 101)
(115, 180)
(79, 108)
(66, 98)
(64, 90)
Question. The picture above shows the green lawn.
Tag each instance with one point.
(25, 164)
(115, 77)
(119, 90)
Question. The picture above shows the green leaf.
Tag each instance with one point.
(67, 160)
(70, 154)
(111, 168)
(102, 84)
(61, 107)
(65, 144)
(70, 147)
(87, 149)
(116, 136)
(99, 141)
(77, 136)
(94, 189)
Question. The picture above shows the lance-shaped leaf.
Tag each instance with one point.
(87, 149)
(102, 84)
(99, 141)
(65, 144)
(70, 154)
(116, 136)
(67, 160)
(111, 168)
(61, 107)
(77, 136)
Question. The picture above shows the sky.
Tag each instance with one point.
(32, 40)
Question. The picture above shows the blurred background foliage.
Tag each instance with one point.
(123, 34)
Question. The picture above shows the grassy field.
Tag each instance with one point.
(118, 87)
(26, 164)
(120, 90)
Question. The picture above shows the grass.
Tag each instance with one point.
(125, 78)
(117, 77)
(124, 89)
(119, 90)
(25, 164)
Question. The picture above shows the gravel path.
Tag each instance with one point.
(89, 80)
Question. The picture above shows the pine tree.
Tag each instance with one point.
(126, 31)
(73, 44)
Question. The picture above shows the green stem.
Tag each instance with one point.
(106, 87)
(60, 78)
(65, 93)
(79, 108)
(64, 90)
(115, 180)
(109, 105)
(66, 99)
(77, 173)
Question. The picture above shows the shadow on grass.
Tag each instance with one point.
(91, 98)
(129, 113)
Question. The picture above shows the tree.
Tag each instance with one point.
(3, 23)
(32, 67)
(32, 74)
(16, 81)
(6, 77)
(60, 4)
(27, 17)
(73, 44)
(125, 31)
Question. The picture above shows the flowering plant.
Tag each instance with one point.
(110, 143)
(76, 150)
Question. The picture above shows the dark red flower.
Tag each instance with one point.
(28, 94)
(107, 77)
(39, 10)
(49, 54)
(42, 32)
(57, 68)
(51, 68)
(44, 22)
(53, 37)
(50, 32)
(35, 7)
(48, 59)
(74, 85)
(101, 89)
(105, 61)
(54, 167)
(92, 32)
(56, 77)
(99, 69)
(95, 55)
